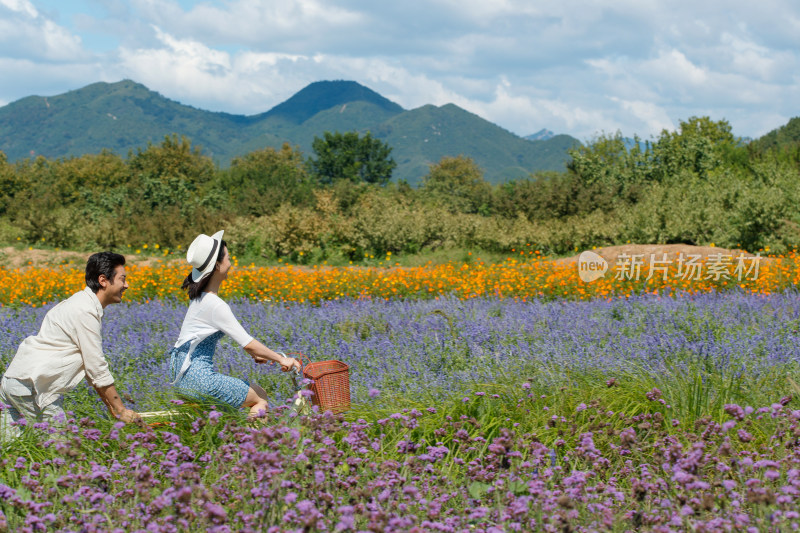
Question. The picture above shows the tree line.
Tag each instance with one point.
(697, 185)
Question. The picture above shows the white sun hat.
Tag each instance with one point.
(202, 254)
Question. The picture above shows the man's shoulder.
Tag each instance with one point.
(81, 303)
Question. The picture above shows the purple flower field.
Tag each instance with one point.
(414, 347)
(662, 414)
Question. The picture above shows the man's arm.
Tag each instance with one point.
(89, 342)
(114, 403)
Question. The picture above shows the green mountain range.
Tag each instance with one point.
(126, 116)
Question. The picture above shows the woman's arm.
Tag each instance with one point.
(262, 354)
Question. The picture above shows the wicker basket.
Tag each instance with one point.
(331, 385)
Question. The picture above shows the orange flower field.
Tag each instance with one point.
(518, 279)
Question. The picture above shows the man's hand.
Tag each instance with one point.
(114, 404)
(128, 416)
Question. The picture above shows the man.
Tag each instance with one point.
(67, 348)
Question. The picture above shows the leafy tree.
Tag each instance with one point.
(170, 193)
(42, 205)
(9, 183)
(457, 184)
(173, 158)
(699, 146)
(93, 172)
(346, 156)
(607, 160)
(171, 174)
(542, 196)
(261, 181)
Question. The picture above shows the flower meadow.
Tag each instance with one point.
(524, 277)
(472, 411)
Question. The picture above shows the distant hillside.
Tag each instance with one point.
(541, 135)
(119, 117)
(126, 115)
(422, 135)
(785, 136)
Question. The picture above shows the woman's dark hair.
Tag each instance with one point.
(195, 288)
(102, 264)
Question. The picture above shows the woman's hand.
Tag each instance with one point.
(287, 363)
(261, 354)
(290, 363)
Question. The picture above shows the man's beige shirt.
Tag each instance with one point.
(67, 348)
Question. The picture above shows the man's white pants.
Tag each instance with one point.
(18, 399)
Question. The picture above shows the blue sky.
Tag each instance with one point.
(581, 67)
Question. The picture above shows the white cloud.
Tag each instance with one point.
(20, 6)
(573, 66)
(748, 58)
(26, 34)
(282, 25)
(673, 66)
(652, 116)
(187, 70)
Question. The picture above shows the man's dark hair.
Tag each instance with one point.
(102, 263)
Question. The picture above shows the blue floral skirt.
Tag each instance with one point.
(201, 381)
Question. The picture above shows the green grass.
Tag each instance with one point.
(529, 400)
(551, 406)
(690, 394)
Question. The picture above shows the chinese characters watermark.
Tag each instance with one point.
(633, 267)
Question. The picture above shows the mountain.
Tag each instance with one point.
(126, 116)
(322, 95)
(119, 117)
(541, 135)
(423, 135)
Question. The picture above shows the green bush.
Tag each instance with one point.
(697, 185)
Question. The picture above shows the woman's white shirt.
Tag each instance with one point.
(206, 315)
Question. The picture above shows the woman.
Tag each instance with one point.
(207, 320)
